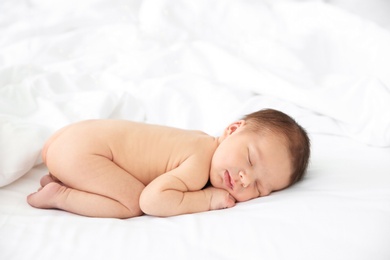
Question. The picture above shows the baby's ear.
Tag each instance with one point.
(234, 126)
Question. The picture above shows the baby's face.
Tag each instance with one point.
(250, 165)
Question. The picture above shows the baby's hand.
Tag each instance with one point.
(220, 198)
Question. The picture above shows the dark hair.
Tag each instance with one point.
(297, 140)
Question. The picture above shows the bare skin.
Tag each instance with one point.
(123, 169)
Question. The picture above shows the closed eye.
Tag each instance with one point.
(258, 189)
(249, 158)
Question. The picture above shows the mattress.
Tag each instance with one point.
(200, 65)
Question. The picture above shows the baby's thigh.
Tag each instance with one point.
(84, 163)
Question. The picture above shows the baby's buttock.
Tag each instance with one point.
(86, 137)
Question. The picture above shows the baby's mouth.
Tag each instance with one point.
(228, 180)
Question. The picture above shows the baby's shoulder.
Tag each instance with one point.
(203, 146)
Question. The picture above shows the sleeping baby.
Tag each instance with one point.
(123, 169)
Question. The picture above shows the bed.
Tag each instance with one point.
(200, 65)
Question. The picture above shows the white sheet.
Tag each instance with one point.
(340, 211)
(200, 65)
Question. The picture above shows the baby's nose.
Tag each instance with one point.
(245, 180)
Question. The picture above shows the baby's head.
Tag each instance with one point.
(295, 137)
(263, 152)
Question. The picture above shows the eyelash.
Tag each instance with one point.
(257, 187)
(249, 159)
(256, 184)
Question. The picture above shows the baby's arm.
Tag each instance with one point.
(179, 192)
(220, 198)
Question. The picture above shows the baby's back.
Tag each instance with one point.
(145, 151)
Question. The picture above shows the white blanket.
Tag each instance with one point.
(191, 65)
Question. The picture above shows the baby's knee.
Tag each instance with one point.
(131, 212)
(131, 204)
(136, 212)
(134, 209)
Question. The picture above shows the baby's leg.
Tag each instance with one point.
(55, 195)
(98, 189)
(87, 183)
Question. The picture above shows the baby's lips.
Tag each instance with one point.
(227, 180)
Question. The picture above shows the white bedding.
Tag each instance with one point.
(200, 65)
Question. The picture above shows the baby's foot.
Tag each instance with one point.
(46, 180)
(46, 197)
(49, 178)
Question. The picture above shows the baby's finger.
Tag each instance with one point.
(231, 201)
(231, 197)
